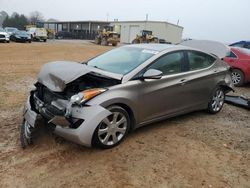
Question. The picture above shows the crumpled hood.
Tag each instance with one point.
(55, 75)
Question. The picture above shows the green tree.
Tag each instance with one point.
(16, 20)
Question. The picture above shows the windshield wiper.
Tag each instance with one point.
(97, 67)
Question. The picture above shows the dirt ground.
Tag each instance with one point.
(194, 150)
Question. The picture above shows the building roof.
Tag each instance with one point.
(108, 22)
(145, 21)
(81, 21)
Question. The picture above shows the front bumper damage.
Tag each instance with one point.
(84, 119)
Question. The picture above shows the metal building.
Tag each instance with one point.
(163, 30)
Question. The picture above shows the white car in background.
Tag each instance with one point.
(4, 36)
(10, 30)
(38, 34)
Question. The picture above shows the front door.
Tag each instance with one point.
(163, 96)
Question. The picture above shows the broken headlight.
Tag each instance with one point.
(86, 95)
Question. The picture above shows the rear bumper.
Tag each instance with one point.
(91, 117)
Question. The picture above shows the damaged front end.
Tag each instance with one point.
(66, 112)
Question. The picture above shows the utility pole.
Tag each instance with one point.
(145, 26)
(107, 16)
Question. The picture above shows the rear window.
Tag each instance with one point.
(238, 45)
(244, 50)
(199, 60)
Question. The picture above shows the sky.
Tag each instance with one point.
(221, 20)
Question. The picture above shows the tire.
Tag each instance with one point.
(107, 135)
(217, 101)
(104, 42)
(26, 134)
(29, 41)
(98, 40)
(44, 40)
(135, 41)
(237, 77)
(114, 44)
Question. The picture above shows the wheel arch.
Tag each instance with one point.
(130, 113)
(226, 88)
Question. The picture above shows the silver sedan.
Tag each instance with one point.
(97, 103)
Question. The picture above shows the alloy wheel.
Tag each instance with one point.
(218, 100)
(113, 128)
(236, 78)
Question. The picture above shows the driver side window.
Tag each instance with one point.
(169, 64)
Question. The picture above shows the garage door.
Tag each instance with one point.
(133, 31)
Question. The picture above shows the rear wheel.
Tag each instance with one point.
(237, 77)
(135, 41)
(44, 40)
(217, 100)
(113, 129)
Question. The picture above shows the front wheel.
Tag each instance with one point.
(113, 129)
(104, 42)
(135, 41)
(26, 134)
(217, 100)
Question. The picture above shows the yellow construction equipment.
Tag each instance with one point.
(145, 37)
(50, 33)
(107, 36)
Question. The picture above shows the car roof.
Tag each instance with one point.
(160, 47)
(242, 41)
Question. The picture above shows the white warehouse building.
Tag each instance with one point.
(163, 30)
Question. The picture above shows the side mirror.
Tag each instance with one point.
(152, 74)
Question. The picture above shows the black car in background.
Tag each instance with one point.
(63, 35)
(20, 36)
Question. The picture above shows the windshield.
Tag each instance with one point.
(21, 32)
(121, 60)
(1, 29)
(11, 29)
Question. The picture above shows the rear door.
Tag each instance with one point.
(201, 78)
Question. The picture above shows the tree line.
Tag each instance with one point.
(19, 21)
